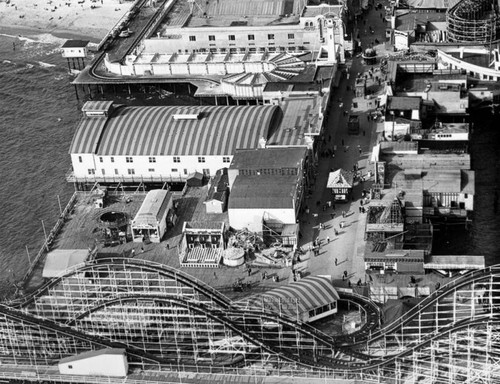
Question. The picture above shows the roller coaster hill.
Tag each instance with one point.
(169, 322)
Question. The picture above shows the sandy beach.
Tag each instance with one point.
(76, 18)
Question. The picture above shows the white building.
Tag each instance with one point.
(257, 200)
(164, 143)
(150, 222)
(240, 45)
(104, 362)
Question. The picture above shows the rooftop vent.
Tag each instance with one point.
(187, 116)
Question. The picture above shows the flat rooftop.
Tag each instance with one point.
(233, 13)
(409, 20)
(479, 59)
(418, 82)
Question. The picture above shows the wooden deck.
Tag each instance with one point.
(80, 229)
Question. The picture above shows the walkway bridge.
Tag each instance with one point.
(163, 316)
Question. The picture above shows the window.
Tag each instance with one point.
(270, 36)
(151, 169)
(103, 171)
(80, 159)
(116, 171)
(91, 171)
(185, 171)
(177, 159)
(112, 159)
(175, 170)
(131, 171)
(101, 160)
(291, 36)
(251, 37)
(211, 37)
(206, 171)
(152, 159)
(232, 37)
(201, 159)
(129, 159)
(226, 159)
(192, 38)
(70, 367)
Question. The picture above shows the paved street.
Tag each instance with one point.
(348, 246)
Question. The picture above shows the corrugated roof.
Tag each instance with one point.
(150, 131)
(99, 352)
(97, 106)
(264, 191)
(153, 208)
(268, 158)
(403, 103)
(304, 295)
(87, 135)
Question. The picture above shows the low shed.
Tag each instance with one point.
(150, 222)
(104, 362)
(59, 260)
(308, 299)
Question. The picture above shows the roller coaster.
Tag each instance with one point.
(166, 320)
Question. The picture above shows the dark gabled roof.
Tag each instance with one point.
(268, 158)
(75, 44)
(403, 103)
(218, 189)
(263, 192)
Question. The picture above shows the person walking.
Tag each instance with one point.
(336, 261)
(328, 239)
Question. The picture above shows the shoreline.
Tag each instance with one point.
(17, 31)
(73, 19)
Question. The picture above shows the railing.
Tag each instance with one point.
(50, 238)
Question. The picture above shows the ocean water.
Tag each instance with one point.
(38, 115)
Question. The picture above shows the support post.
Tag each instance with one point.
(45, 234)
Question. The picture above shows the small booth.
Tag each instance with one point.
(150, 222)
(341, 183)
(202, 244)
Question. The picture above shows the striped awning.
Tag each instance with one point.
(302, 296)
(150, 131)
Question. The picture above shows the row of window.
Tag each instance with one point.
(131, 171)
(177, 159)
(270, 36)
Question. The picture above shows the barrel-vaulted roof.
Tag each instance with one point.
(301, 296)
(150, 131)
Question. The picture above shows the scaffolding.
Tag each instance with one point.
(473, 21)
(169, 321)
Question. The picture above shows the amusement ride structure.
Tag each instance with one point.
(168, 321)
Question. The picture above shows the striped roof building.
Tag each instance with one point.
(298, 297)
(153, 131)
